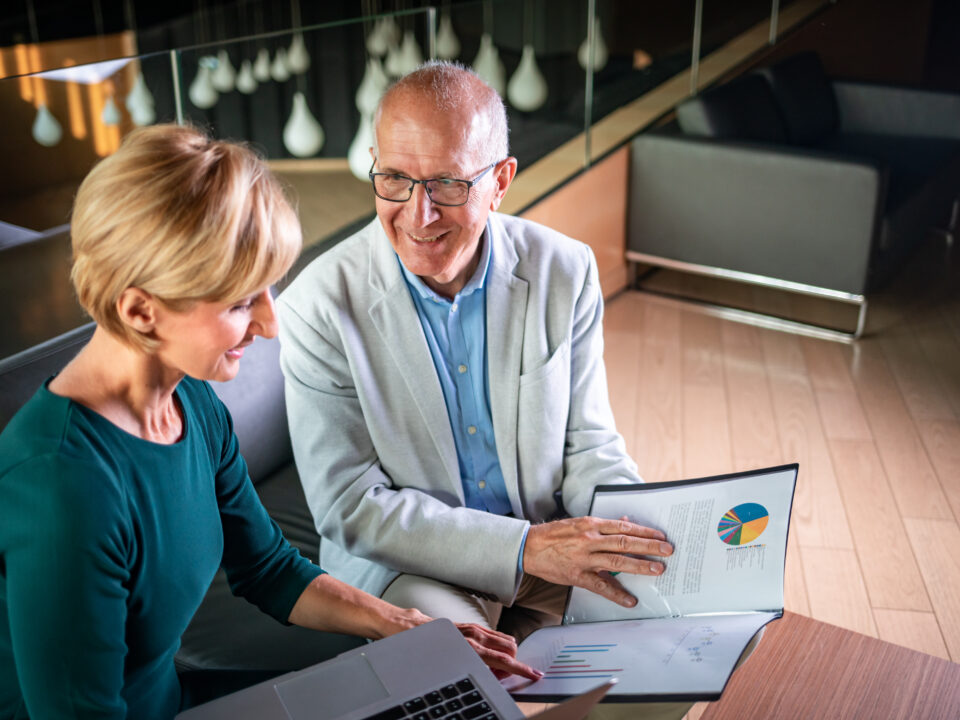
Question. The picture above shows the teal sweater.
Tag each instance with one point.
(107, 546)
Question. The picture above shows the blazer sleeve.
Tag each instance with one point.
(594, 452)
(406, 524)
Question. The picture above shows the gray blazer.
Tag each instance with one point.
(371, 435)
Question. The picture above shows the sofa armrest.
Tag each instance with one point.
(773, 211)
(889, 110)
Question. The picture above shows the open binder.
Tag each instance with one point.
(683, 638)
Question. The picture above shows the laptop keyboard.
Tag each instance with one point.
(457, 701)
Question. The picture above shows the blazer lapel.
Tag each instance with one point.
(395, 317)
(506, 314)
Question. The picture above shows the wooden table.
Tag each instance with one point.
(804, 668)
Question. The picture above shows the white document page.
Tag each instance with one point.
(730, 543)
(657, 657)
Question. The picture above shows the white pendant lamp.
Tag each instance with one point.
(377, 40)
(110, 115)
(261, 66)
(246, 82)
(279, 70)
(488, 66)
(202, 93)
(358, 156)
(223, 76)
(410, 55)
(298, 59)
(448, 45)
(391, 31)
(527, 90)
(46, 130)
(302, 135)
(600, 52)
(371, 87)
(140, 103)
(393, 64)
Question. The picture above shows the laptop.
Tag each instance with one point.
(427, 673)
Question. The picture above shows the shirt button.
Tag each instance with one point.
(453, 308)
(472, 429)
(481, 484)
(462, 369)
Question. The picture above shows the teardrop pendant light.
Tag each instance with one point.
(488, 65)
(261, 66)
(302, 135)
(600, 52)
(110, 115)
(279, 70)
(298, 59)
(371, 87)
(223, 76)
(202, 93)
(358, 156)
(527, 90)
(140, 103)
(410, 55)
(448, 45)
(246, 82)
(377, 44)
(46, 129)
(393, 64)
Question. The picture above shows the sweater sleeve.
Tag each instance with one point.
(260, 564)
(65, 535)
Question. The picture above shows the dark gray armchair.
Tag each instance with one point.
(788, 178)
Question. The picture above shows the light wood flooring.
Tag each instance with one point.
(875, 426)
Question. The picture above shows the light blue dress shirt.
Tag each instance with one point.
(456, 333)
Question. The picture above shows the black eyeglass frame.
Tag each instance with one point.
(413, 183)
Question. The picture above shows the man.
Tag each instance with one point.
(445, 382)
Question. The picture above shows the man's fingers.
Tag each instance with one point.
(616, 563)
(625, 527)
(602, 583)
(629, 545)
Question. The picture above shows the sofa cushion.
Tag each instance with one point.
(23, 373)
(805, 97)
(910, 162)
(743, 109)
(255, 401)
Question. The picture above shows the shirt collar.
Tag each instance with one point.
(475, 282)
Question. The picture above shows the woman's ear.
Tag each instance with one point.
(138, 309)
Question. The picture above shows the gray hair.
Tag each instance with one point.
(451, 87)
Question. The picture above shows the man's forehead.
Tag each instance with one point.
(416, 132)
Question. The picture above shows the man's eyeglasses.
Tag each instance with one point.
(442, 191)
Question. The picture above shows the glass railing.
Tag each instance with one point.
(569, 70)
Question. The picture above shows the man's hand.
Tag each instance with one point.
(584, 551)
(497, 650)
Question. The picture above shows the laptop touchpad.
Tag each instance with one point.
(332, 690)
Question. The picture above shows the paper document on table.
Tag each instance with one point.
(723, 582)
(661, 657)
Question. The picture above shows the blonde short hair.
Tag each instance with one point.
(183, 217)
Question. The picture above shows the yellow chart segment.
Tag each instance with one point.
(751, 530)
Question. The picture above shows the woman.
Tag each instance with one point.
(122, 489)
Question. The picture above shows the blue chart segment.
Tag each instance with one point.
(578, 662)
(743, 523)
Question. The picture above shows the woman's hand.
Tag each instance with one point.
(498, 650)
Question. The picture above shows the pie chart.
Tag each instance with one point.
(743, 523)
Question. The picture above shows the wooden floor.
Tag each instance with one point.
(874, 542)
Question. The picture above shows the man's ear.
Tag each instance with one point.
(138, 309)
(503, 176)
